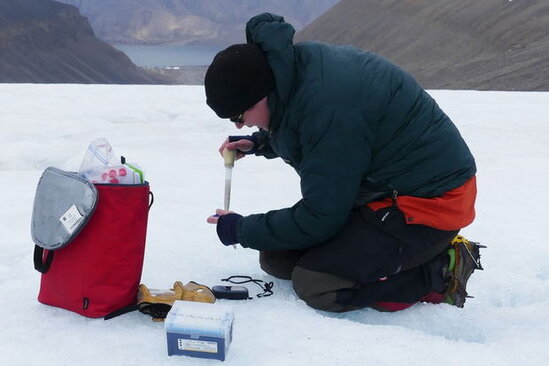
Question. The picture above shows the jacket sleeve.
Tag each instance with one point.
(264, 145)
(335, 158)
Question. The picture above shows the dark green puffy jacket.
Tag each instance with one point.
(355, 127)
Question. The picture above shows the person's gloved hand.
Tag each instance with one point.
(226, 225)
(244, 145)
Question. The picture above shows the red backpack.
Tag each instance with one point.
(95, 269)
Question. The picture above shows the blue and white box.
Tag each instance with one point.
(199, 329)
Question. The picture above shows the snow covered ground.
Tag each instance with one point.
(174, 136)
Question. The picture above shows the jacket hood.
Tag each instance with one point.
(275, 38)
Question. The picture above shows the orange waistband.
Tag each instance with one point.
(453, 210)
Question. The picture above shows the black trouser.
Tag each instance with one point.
(376, 257)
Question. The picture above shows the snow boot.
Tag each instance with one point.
(464, 260)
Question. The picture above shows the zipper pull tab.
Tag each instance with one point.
(394, 197)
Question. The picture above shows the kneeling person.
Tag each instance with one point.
(387, 181)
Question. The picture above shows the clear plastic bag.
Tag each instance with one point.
(100, 166)
(99, 154)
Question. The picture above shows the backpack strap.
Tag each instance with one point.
(39, 263)
(122, 311)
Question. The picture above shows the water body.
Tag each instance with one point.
(170, 55)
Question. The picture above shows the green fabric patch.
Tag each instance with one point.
(452, 254)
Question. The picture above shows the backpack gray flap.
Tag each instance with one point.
(63, 204)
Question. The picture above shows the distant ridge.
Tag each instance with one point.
(44, 41)
(448, 44)
(214, 22)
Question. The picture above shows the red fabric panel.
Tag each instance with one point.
(433, 298)
(100, 270)
(453, 210)
(392, 306)
(377, 205)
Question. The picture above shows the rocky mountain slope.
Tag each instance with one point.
(188, 21)
(44, 41)
(448, 44)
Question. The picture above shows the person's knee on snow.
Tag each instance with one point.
(279, 264)
(319, 290)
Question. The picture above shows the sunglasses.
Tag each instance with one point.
(237, 119)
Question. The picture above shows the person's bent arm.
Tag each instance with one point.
(336, 154)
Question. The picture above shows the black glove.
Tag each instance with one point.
(226, 228)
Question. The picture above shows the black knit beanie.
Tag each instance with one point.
(238, 78)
